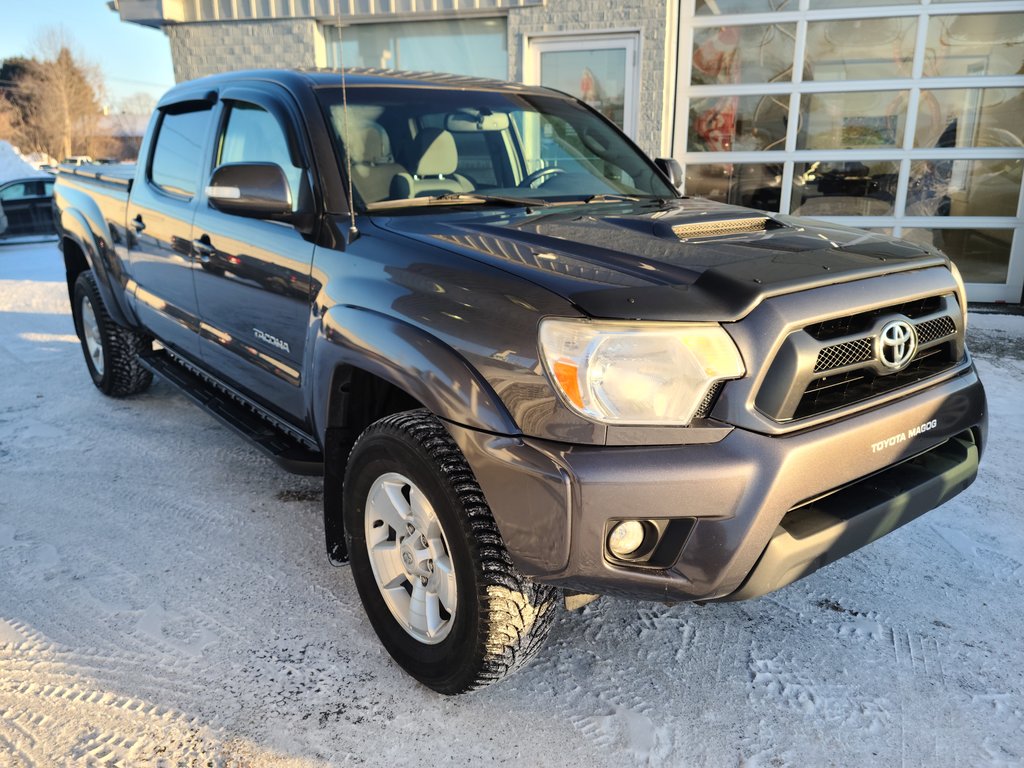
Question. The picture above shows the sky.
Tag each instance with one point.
(133, 58)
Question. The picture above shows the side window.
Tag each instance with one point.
(177, 156)
(253, 135)
(13, 192)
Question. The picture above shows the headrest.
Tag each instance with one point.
(435, 153)
(368, 143)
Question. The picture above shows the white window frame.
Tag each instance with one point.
(903, 154)
(628, 39)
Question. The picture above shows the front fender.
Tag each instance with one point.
(410, 359)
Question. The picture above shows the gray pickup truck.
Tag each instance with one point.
(525, 366)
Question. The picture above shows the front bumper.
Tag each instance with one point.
(766, 510)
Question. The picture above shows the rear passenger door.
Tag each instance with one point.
(253, 284)
(160, 210)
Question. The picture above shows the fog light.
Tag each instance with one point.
(626, 538)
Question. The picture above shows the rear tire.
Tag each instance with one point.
(437, 583)
(111, 352)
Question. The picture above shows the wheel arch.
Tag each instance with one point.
(367, 366)
(84, 250)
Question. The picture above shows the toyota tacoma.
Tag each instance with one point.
(528, 370)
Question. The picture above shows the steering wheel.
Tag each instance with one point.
(540, 173)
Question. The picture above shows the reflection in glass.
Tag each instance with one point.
(860, 49)
(597, 77)
(964, 187)
(720, 7)
(735, 123)
(857, 188)
(971, 117)
(747, 54)
(852, 120)
(476, 47)
(975, 44)
(754, 185)
(983, 255)
(817, 5)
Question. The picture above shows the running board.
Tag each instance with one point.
(283, 444)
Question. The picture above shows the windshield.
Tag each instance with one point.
(413, 146)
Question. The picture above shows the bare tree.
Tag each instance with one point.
(60, 99)
(128, 122)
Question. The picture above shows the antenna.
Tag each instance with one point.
(353, 231)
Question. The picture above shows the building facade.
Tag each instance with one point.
(897, 116)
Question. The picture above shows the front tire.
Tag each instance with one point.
(433, 574)
(111, 352)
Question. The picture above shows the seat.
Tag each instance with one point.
(373, 165)
(433, 160)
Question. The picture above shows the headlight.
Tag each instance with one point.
(961, 291)
(636, 373)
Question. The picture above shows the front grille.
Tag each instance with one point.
(863, 321)
(939, 328)
(831, 364)
(831, 392)
(842, 355)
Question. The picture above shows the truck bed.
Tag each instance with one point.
(120, 175)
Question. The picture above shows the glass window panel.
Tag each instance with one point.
(721, 7)
(477, 47)
(736, 123)
(971, 117)
(253, 135)
(177, 156)
(983, 255)
(975, 44)
(747, 54)
(852, 120)
(852, 188)
(964, 187)
(860, 49)
(817, 5)
(596, 76)
(755, 185)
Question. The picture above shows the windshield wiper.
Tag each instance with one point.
(458, 198)
(606, 198)
(473, 197)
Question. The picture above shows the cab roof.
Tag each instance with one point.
(295, 79)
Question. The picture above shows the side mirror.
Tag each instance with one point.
(672, 169)
(253, 190)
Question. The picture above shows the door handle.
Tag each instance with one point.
(203, 248)
(138, 224)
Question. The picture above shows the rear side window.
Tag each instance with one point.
(178, 153)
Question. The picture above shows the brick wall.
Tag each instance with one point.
(654, 21)
(212, 47)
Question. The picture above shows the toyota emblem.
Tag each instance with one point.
(897, 344)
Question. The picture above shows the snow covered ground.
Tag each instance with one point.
(165, 600)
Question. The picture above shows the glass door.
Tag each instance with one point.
(600, 70)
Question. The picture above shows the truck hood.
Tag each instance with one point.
(687, 259)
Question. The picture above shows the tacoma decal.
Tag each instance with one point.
(271, 340)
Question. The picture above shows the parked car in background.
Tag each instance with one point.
(27, 206)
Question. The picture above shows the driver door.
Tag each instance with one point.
(253, 282)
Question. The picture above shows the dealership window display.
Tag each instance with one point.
(902, 117)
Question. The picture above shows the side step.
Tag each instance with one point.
(284, 445)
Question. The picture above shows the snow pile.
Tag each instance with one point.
(13, 165)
